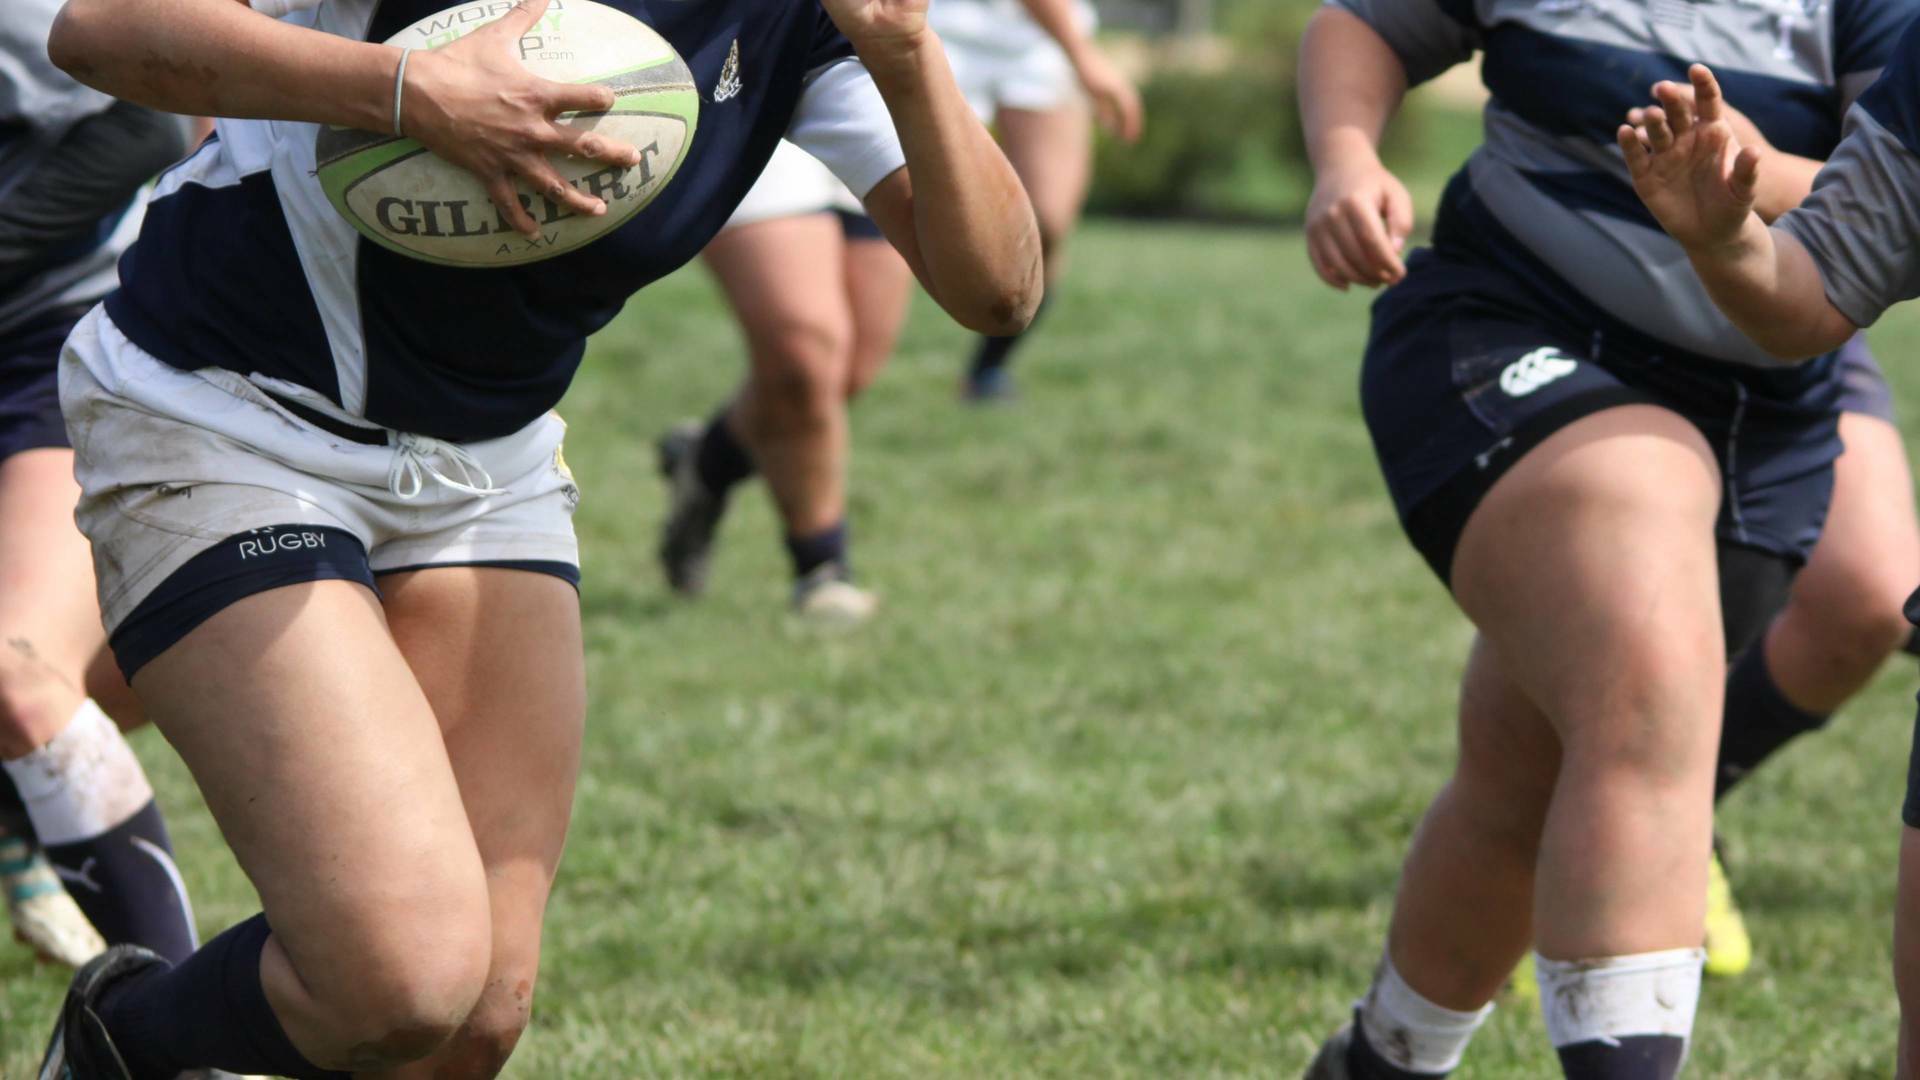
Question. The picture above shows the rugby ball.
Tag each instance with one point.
(406, 198)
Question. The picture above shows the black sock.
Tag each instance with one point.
(210, 1012)
(810, 553)
(126, 882)
(1634, 1057)
(1912, 646)
(1365, 1063)
(721, 461)
(1758, 720)
(994, 353)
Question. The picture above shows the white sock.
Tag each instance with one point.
(1408, 1031)
(1613, 998)
(84, 782)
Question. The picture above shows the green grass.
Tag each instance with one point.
(1120, 783)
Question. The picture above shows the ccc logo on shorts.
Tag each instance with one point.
(1536, 369)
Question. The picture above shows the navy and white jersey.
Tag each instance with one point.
(58, 255)
(1563, 73)
(1862, 221)
(244, 265)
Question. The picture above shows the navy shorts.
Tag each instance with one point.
(30, 383)
(1863, 386)
(1468, 368)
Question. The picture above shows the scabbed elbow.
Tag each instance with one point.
(67, 43)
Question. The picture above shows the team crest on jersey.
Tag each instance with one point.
(728, 87)
(1535, 370)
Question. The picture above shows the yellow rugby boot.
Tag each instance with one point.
(1729, 948)
(1524, 985)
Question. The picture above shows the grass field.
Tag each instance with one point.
(1119, 784)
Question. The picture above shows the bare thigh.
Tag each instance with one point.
(321, 759)
(1053, 153)
(783, 280)
(49, 618)
(1590, 568)
(500, 657)
(879, 285)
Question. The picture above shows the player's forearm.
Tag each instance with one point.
(1351, 83)
(1767, 285)
(216, 58)
(979, 246)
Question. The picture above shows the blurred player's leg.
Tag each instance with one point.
(1052, 150)
(879, 287)
(499, 655)
(327, 772)
(84, 792)
(1906, 942)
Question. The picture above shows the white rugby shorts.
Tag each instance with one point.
(1002, 59)
(794, 184)
(199, 488)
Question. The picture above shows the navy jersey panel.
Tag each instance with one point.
(214, 281)
(30, 384)
(463, 353)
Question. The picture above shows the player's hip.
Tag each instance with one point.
(200, 487)
(1466, 373)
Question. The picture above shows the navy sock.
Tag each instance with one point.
(210, 1012)
(1634, 1057)
(1365, 1063)
(810, 553)
(994, 353)
(1759, 720)
(126, 882)
(721, 460)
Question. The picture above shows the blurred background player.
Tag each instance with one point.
(1031, 70)
(821, 297)
(72, 161)
(1590, 464)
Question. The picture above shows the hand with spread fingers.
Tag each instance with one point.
(1689, 166)
(476, 105)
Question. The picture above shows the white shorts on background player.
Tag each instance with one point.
(1002, 59)
(171, 463)
(794, 184)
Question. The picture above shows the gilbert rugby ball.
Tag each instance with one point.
(406, 198)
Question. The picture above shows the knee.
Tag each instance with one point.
(493, 1028)
(1857, 614)
(803, 368)
(414, 992)
(1653, 724)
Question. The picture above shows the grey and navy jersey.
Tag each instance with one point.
(1862, 221)
(67, 187)
(1562, 75)
(244, 265)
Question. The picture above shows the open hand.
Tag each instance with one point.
(1116, 103)
(1689, 166)
(476, 105)
(1358, 222)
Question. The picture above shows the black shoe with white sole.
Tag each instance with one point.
(80, 1048)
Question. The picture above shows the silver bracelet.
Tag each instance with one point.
(400, 89)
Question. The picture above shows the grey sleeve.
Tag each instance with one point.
(1861, 223)
(1429, 36)
(90, 174)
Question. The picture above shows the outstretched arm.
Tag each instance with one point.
(1115, 100)
(1690, 169)
(958, 212)
(471, 102)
